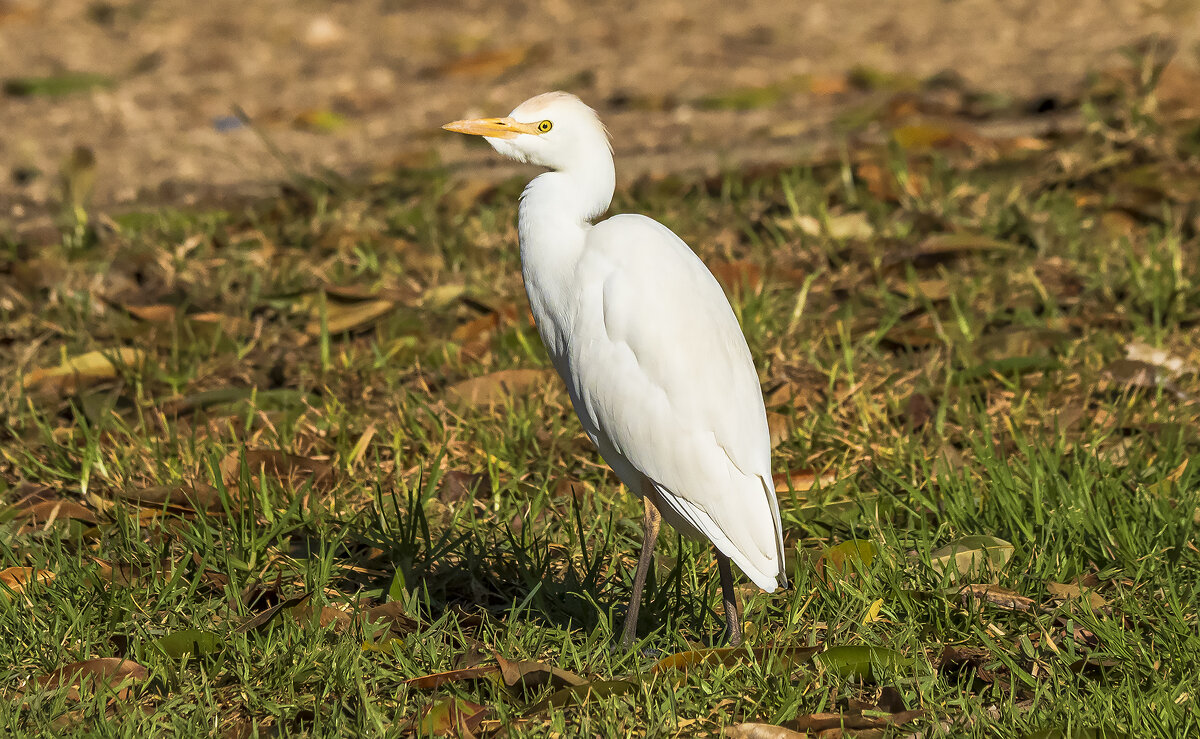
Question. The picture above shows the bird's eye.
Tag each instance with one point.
(545, 126)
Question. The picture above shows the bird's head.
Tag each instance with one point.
(555, 130)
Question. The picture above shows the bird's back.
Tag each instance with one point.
(663, 382)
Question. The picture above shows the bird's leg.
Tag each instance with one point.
(650, 522)
(733, 618)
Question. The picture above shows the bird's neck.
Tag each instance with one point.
(556, 212)
(573, 196)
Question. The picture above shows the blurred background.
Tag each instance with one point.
(160, 92)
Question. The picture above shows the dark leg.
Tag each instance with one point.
(733, 619)
(650, 522)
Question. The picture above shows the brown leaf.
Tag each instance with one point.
(945, 246)
(449, 717)
(1139, 374)
(1075, 591)
(1003, 598)
(152, 313)
(48, 511)
(457, 486)
(327, 617)
(533, 675)
(83, 370)
(918, 409)
(476, 328)
(497, 387)
(17, 579)
(818, 722)
(429, 682)
(198, 497)
(760, 731)
(277, 464)
(343, 317)
(112, 672)
(801, 480)
(393, 614)
(737, 274)
(262, 619)
(777, 424)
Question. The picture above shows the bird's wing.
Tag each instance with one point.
(665, 376)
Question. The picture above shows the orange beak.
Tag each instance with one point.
(496, 128)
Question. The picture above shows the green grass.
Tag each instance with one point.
(946, 393)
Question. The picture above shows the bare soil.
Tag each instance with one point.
(362, 86)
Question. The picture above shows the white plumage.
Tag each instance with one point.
(651, 352)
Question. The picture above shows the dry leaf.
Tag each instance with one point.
(802, 480)
(429, 682)
(533, 675)
(343, 317)
(152, 313)
(17, 579)
(199, 497)
(1004, 598)
(111, 672)
(497, 387)
(1074, 591)
(277, 464)
(83, 370)
(760, 731)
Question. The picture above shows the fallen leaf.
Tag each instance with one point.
(848, 557)
(1138, 374)
(394, 616)
(450, 717)
(579, 694)
(198, 497)
(277, 464)
(429, 682)
(189, 643)
(820, 722)
(17, 579)
(802, 480)
(48, 511)
(760, 731)
(534, 675)
(737, 275)
(860, 662)
(340, 318)
(971, 555)
(944, 246)
(1074, 591)
(152, 313)
(112, 672)
(457, 486)
(847, 226)
(497, 387)
(262, 619)
(1003, 598)
(327, 618)
(83, 370)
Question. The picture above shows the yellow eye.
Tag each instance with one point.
(545, 126)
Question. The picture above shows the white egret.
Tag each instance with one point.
(651, 352)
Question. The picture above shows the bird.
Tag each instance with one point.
(651, 352)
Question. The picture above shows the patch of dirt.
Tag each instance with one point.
(363, 86)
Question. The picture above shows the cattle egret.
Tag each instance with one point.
(651, 352)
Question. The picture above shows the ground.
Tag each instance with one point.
(296, 464)
(362, 86)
